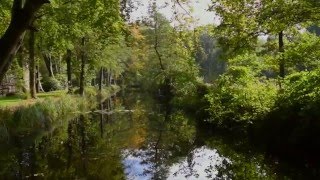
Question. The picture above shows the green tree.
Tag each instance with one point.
(243, 21)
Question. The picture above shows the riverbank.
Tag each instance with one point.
(25, 117)
(144, 137)
(17, 100)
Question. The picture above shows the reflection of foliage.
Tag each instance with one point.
(74, 150)
(238, 165)
(97, 146)
(169, 136)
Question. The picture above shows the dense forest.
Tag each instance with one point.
(90, 91)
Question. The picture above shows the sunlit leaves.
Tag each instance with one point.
(304, 52)
(244, 20)
(5, 15)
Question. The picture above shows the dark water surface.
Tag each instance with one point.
(131, 137)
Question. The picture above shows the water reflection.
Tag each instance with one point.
(128, 138)
(202, 164)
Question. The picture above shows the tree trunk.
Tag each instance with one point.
(281, 51)
(82, 73)
(101, 78)
(32, 65)
(38, 79)
(48, 61)
(22, 17)
(56, 66)
(69, 70)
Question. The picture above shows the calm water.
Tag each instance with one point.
(132, 138)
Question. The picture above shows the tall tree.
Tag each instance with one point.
(22, 16)
(243, 21)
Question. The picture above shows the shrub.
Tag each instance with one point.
(23, 95)
(238, 98)
(50, 84)
(62, 79)
(301, 90)
(90, 92)
(291, 128)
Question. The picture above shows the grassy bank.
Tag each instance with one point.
(25, 117)
(18, 100)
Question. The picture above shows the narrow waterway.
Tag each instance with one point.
(130, 137)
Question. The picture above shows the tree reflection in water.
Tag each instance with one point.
(175, 149)
(128, 138)
(171, 149)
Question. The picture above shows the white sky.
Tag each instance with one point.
(199, 11)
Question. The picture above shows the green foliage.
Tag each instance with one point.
(5, 11)
(208, 56)
(294, 123)
(238, 98)
(304, 52)
(301, 92)
(65, 24)
(243, 21)
(50, 84)
(170, 60)
(90, 92)
(243, 95)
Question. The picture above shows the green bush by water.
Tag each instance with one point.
(286, 120)
(238, 98)
(294, 121)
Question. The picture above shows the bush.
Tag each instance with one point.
(238, 98)
(23, 95)
(62, 79)
(301, 90)
(50, 84)
(294, 122)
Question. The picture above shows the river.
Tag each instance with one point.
(132, 137)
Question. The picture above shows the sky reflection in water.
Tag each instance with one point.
(203, 158)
